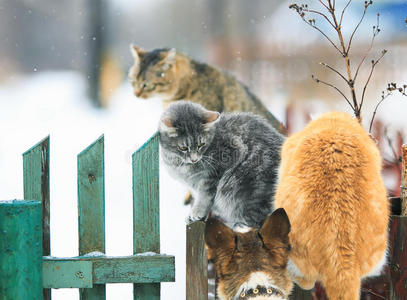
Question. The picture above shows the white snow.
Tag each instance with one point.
(94, 254)
(54, 103)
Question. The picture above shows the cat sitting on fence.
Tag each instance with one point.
(332, 191)
(229, 161)
(174, 76)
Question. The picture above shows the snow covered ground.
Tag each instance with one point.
(55, 104)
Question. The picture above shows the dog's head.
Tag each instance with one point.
(251, 264)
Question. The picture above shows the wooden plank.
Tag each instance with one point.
(121, 269)
(196, 262)
(67, 274)
(20, 250)
(36, 187)
(398, 257)
(146, 209)
(404, 179)
(91, 208)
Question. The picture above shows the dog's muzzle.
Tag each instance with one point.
(261, 291)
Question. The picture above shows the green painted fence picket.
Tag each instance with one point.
(146, 210)
(91, 208)
(20, 250)
(36, 187)
(89, 271)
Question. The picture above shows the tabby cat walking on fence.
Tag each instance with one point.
(174, 76)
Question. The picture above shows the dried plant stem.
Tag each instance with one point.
(375, 111)
(334, 87)
(347, 63)
(374, 63)
(342, 47)
(334, 70)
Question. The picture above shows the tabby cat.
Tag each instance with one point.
(229, 161)
(174, 76)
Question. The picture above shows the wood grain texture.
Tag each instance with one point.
(404, 179)
(196, 262)
(67, 274)
(105, 269)
(398, 257)
(20, 250)
(36, 187)
(91, 208)
(146, 209)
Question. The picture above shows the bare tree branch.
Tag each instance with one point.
(375, 111)
(333, 44)
(334, 70)
(334, 87)
(376, 31)
(325, 17)
(324, 5)
(357, 26)
(374, 63)
(390, 88)
(343, 11)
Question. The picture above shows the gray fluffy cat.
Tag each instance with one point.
(229, 161)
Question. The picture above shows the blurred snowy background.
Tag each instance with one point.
(63, 72)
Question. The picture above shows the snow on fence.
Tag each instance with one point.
(26, 266)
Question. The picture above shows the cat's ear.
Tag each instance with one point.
(169, 57)
(211, 117)
(136, 51)
(218, 238)
(167, 127)
(276, 228)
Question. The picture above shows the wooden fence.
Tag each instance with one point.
(29, 272)
(26, 266)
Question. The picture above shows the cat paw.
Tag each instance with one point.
(193, 218)
(189, 199)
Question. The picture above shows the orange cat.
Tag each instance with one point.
(331, 188)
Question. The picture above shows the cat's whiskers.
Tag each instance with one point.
(209, 164)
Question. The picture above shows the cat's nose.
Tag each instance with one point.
(194, 158)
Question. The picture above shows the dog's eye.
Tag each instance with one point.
(182, 148)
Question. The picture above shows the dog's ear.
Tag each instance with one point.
(218, 238)
(276, 228)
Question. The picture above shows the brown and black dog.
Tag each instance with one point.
(251, 264)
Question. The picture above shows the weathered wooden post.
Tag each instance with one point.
(398, 241)
(404, 180)
(36, 187)
(146, 210)
(197, 263)
(20, 250)
(91, 208)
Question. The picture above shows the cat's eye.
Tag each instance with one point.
(182, 148)
(201, 145)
